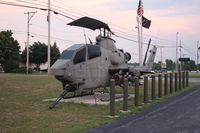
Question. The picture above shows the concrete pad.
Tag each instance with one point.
(112, 117)
(122, 111)
(97, 98)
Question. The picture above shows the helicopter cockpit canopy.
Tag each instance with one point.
(77, 53)
(68, 53)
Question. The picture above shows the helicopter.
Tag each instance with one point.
(82, 68)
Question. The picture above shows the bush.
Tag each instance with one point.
(21, 70)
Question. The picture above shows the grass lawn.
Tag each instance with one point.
(22, 109)
(194, 75)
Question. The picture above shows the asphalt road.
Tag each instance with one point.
(180, 114)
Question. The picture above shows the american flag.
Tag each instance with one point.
(140, 10)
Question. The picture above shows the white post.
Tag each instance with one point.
(177, 51)
(49, 35)
(27, 46)
(180, 57)
(161, 61)
(28, 34)
(138, 36)
(141, 64)
(197, 55)
(139, 40)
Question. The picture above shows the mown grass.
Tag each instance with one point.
(22, 109)
(194, 75)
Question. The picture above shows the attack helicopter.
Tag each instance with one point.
(82, 68)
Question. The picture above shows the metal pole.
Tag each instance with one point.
(160, 86)
(197, 55)
(177, 51)
(146, 89)
(161, 66)
(176, 83)
(187, 79)
(49, 35)
(183, 78)
(166, 85)
(153, 88)
(171, 82)
(180, 57)
(136, 92)
(27, 46)
(112, 97)
(139, 41)
(179, 82)
(125, 96)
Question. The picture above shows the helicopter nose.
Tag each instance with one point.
(59, 67)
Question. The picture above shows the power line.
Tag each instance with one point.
(119, 27)
(20, 5)
(190, 52)
(82, 13)
(40, 35)
(22, 1)
(126, 38)
(40, 2)
(59, 12)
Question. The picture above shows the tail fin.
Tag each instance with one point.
(140, 70)
(145, 57)
(151, 58)
(149, 65)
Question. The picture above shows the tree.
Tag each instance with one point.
(190, 65)
(55, 53)
(156, 66)
(9, 51)
(170, 64)
(23, 56)
(38, 54)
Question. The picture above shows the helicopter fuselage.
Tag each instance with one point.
(87, 66)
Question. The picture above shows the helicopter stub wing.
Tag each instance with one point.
(89, 23)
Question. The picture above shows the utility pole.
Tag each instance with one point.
(183, 65)
(180, 56)
(161, 60)
(30, 16)
(197, 55)
(177, 51)
(49, 35)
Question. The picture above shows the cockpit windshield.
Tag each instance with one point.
(68, 53)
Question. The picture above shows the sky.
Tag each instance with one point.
(168, 17)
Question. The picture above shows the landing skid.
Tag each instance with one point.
(63, 96)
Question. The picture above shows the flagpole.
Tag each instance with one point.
(142, 22)
(139, 39)
(139, 22)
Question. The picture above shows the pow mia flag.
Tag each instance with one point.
(145, 22)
